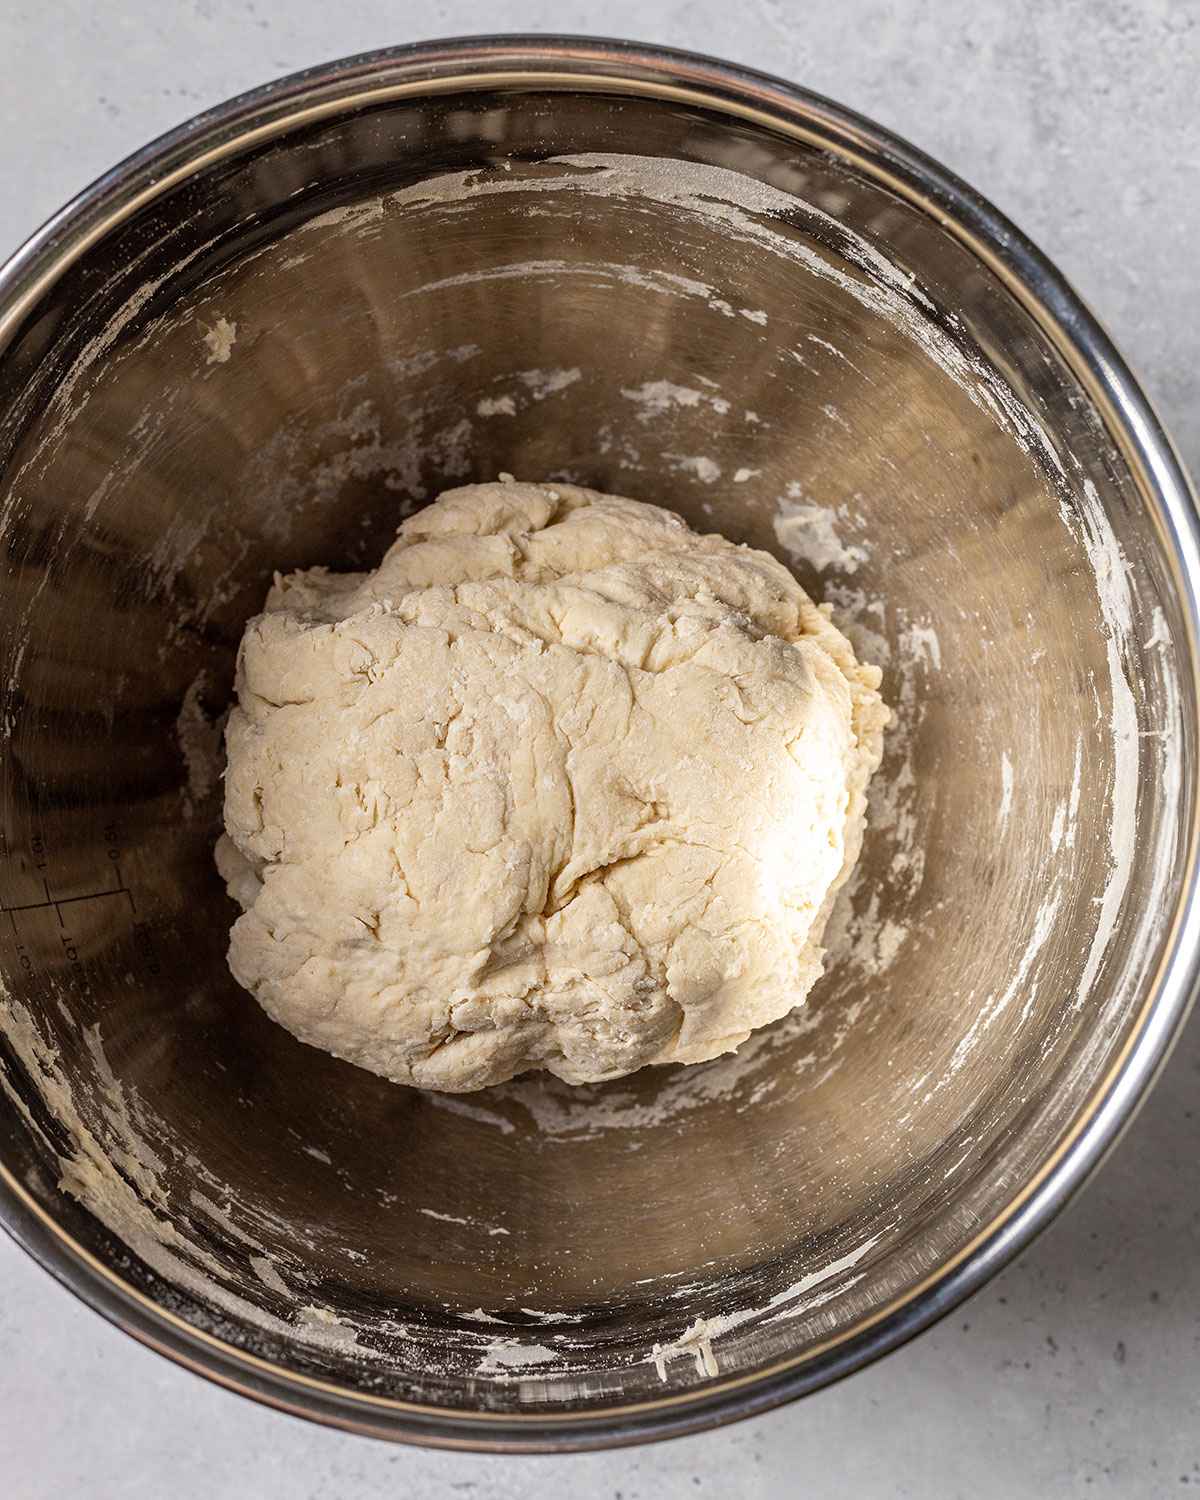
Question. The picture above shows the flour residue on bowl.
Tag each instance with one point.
(811, 532)
(116, 1164)
(1006, 788)
(219, 339)
(698, 1339)
(1116, 606)
(745, 208)
(201, 744)
(655, 398)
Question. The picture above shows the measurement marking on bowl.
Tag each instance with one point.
(65, 950)
(57, 902)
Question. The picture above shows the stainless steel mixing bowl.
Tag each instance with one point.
(260, 342)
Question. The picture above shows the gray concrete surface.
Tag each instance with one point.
(1075, 1373)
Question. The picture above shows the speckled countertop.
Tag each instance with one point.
(1077, 1371)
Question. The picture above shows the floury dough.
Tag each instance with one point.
(562, 785)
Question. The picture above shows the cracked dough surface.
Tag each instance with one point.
(561, 785)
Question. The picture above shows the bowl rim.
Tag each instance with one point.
(562, 62)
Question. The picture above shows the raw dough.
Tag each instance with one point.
(562, 785)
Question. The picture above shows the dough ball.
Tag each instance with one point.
(562, 785)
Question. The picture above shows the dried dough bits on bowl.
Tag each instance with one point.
(470, 796)
(645, 275)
